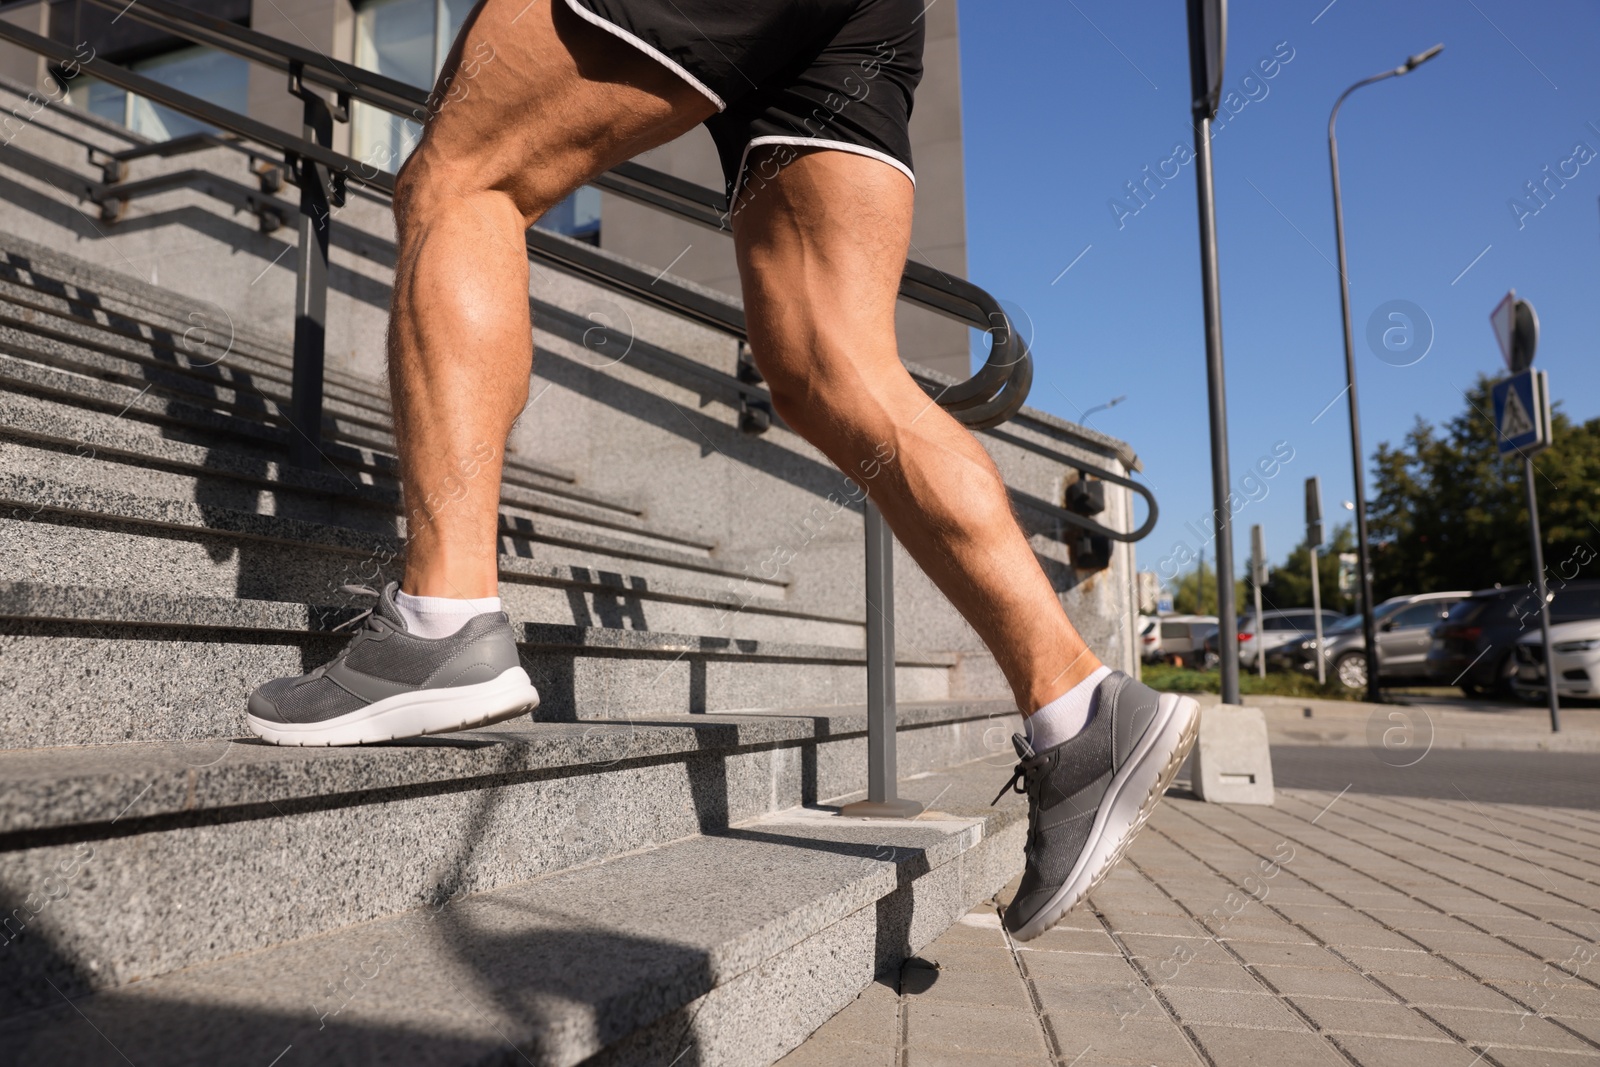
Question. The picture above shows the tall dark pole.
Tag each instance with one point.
(1368, 635)
(1217, 397)
(1208, 22)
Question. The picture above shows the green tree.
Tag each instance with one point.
(1451, 513)
(1197, 592)
(1289, 584)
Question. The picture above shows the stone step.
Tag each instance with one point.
(229, 392)
(196, 424)
(107, 293)
(110, 537)
(176, 856)
(261, 401)
(93, 448)
(191, 350)
(88, 665)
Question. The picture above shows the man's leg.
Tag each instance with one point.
(550, 102)
(821, 249)
(537, 101)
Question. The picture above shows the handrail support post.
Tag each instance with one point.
(311, 284)
(882, 801)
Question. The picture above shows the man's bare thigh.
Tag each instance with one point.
(532, 101)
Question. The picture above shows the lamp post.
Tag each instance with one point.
(1107, 406)
(1364, 564)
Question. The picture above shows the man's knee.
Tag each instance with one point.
(434, 180)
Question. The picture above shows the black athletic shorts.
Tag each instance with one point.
(809, 73)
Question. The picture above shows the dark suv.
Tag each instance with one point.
(1475, 646)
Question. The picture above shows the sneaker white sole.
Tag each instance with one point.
(427, 711)
(1129, 801)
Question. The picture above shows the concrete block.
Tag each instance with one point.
(1232, 760)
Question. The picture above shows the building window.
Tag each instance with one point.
(214, 76)
(408, 40)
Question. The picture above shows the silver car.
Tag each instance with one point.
(1404, 629)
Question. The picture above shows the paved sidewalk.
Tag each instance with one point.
(1418, 720)
(1328, 929)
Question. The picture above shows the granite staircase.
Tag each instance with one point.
(650, 873)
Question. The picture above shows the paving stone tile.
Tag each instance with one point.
(962, 958)
(823, 1052)
(873, 1017)
(1451, 942)
(1207, 976)
(1262, 930)
(942, 1026)
(1076, 966)
(923, 1057)
(1516, 1057)
(1365, 1017)
(1414, 920)
(1060, 940)
(1567, 998)
(1502, 1028)
(1159, 925)
(1359, 935)
(1142, 1040)
(1229, 1047)
(1449, 993)
(1391, 961)
(1150, 947)
(1587, 1025)
(1264, 953)
(1311, 981)
(999, 990)
(1506, 968)
(1257, 1010)
(1394, 1052)
(1110, 999)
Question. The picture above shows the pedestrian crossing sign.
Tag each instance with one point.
(1522, 413)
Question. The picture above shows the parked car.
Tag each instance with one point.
(1475, 646)
(1149, 639)
(1403, 629)
(1279, 627)
(1182, 637)
(1575, 647)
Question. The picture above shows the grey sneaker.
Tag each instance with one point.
(1087, 797)
(387, 684)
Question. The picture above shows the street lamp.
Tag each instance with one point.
(1107, 406)
(1360, 502)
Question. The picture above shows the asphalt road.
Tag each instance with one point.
(1559, 779)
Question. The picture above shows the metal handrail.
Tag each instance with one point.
(987, 398)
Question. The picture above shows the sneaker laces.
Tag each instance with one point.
(367, 617)
(356, 589)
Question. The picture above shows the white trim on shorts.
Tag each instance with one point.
(812, 142)
(650, 50)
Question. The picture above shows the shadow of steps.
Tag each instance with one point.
(88, 665)
(72, 444)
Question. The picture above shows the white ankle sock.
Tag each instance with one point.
(440, 616)
(1064, 717)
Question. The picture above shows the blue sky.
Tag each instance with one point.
(1065, 103)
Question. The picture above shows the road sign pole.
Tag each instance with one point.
(1316, 609)
(1313, 542)
(1544, 598)
(1258, 578)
